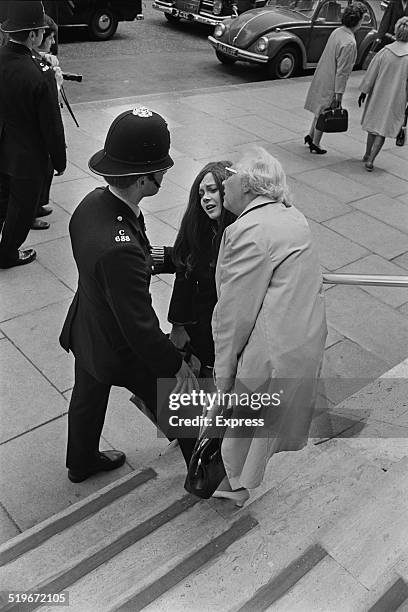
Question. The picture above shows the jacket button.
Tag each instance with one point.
(120, 218)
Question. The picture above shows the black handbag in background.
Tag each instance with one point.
(333, 120)
(402, 136)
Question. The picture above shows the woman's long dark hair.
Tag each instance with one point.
(197, 230)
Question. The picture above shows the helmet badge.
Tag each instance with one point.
(142, 111)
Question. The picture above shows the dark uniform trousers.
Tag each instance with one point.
(87, 410)
(19, 200)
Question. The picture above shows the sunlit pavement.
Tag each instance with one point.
(360, 224)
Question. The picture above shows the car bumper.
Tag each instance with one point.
(242, 54)
(211, 20)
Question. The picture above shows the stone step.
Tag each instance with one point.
(257, 572)
(142, 543)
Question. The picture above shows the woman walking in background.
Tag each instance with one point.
(386, 84)
(332, 72)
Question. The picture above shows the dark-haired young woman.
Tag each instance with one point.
(193, 258)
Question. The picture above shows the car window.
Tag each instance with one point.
(307, 7)
(332, 11)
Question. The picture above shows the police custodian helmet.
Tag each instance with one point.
(138, 142)
(24, 15)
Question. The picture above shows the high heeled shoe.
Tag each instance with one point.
(308, 140)
(240, 496)
(316, 149)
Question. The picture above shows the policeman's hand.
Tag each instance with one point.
(361, 98)
(179, 336)
(60, 173)
(186, 381)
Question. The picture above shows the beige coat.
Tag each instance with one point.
(386, 83)
(333, 70)
(269, 329)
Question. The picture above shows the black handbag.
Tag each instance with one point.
(401, 136)
(333, 120)
(206, 469)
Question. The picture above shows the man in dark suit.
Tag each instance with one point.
(111, 326)
(31, 129)
(394, 11)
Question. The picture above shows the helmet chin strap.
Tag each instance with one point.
(153, 179)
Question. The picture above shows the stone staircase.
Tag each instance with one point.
(328, 530)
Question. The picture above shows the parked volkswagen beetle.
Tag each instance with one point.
(287, 35)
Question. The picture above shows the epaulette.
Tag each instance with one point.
(120, 230)
(43, 66)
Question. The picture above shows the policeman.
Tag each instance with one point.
(31, 129)
(395, 10)
(111, 326)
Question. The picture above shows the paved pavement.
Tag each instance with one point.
(359, 220)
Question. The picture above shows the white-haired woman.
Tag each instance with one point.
(386, 83)
(269, 324)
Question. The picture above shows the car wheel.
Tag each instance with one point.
(172, 18)
(225, 59)
(103, 24)
(285, 64)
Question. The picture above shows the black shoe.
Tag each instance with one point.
(108, 460)
(308, 140)
(316, 149)
(43, 211)
(39, 224)
(24, 257)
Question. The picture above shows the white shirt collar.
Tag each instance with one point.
(134, 207)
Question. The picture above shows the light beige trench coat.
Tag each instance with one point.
(386, 83)
(269, 324)
(333, 70)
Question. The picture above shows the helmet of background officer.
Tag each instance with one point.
(25, 22)
(136, 150)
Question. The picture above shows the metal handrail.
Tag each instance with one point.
(376, 280)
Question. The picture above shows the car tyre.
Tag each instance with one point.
(225, 59)
(103, 24)
(172, 18)
(285, 64)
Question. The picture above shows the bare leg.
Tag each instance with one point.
(375, 149)
(317, 137)
(312, 128)
(369, 145)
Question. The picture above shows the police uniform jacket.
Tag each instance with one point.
(31, 129)
(393, 12)
(111, 326)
